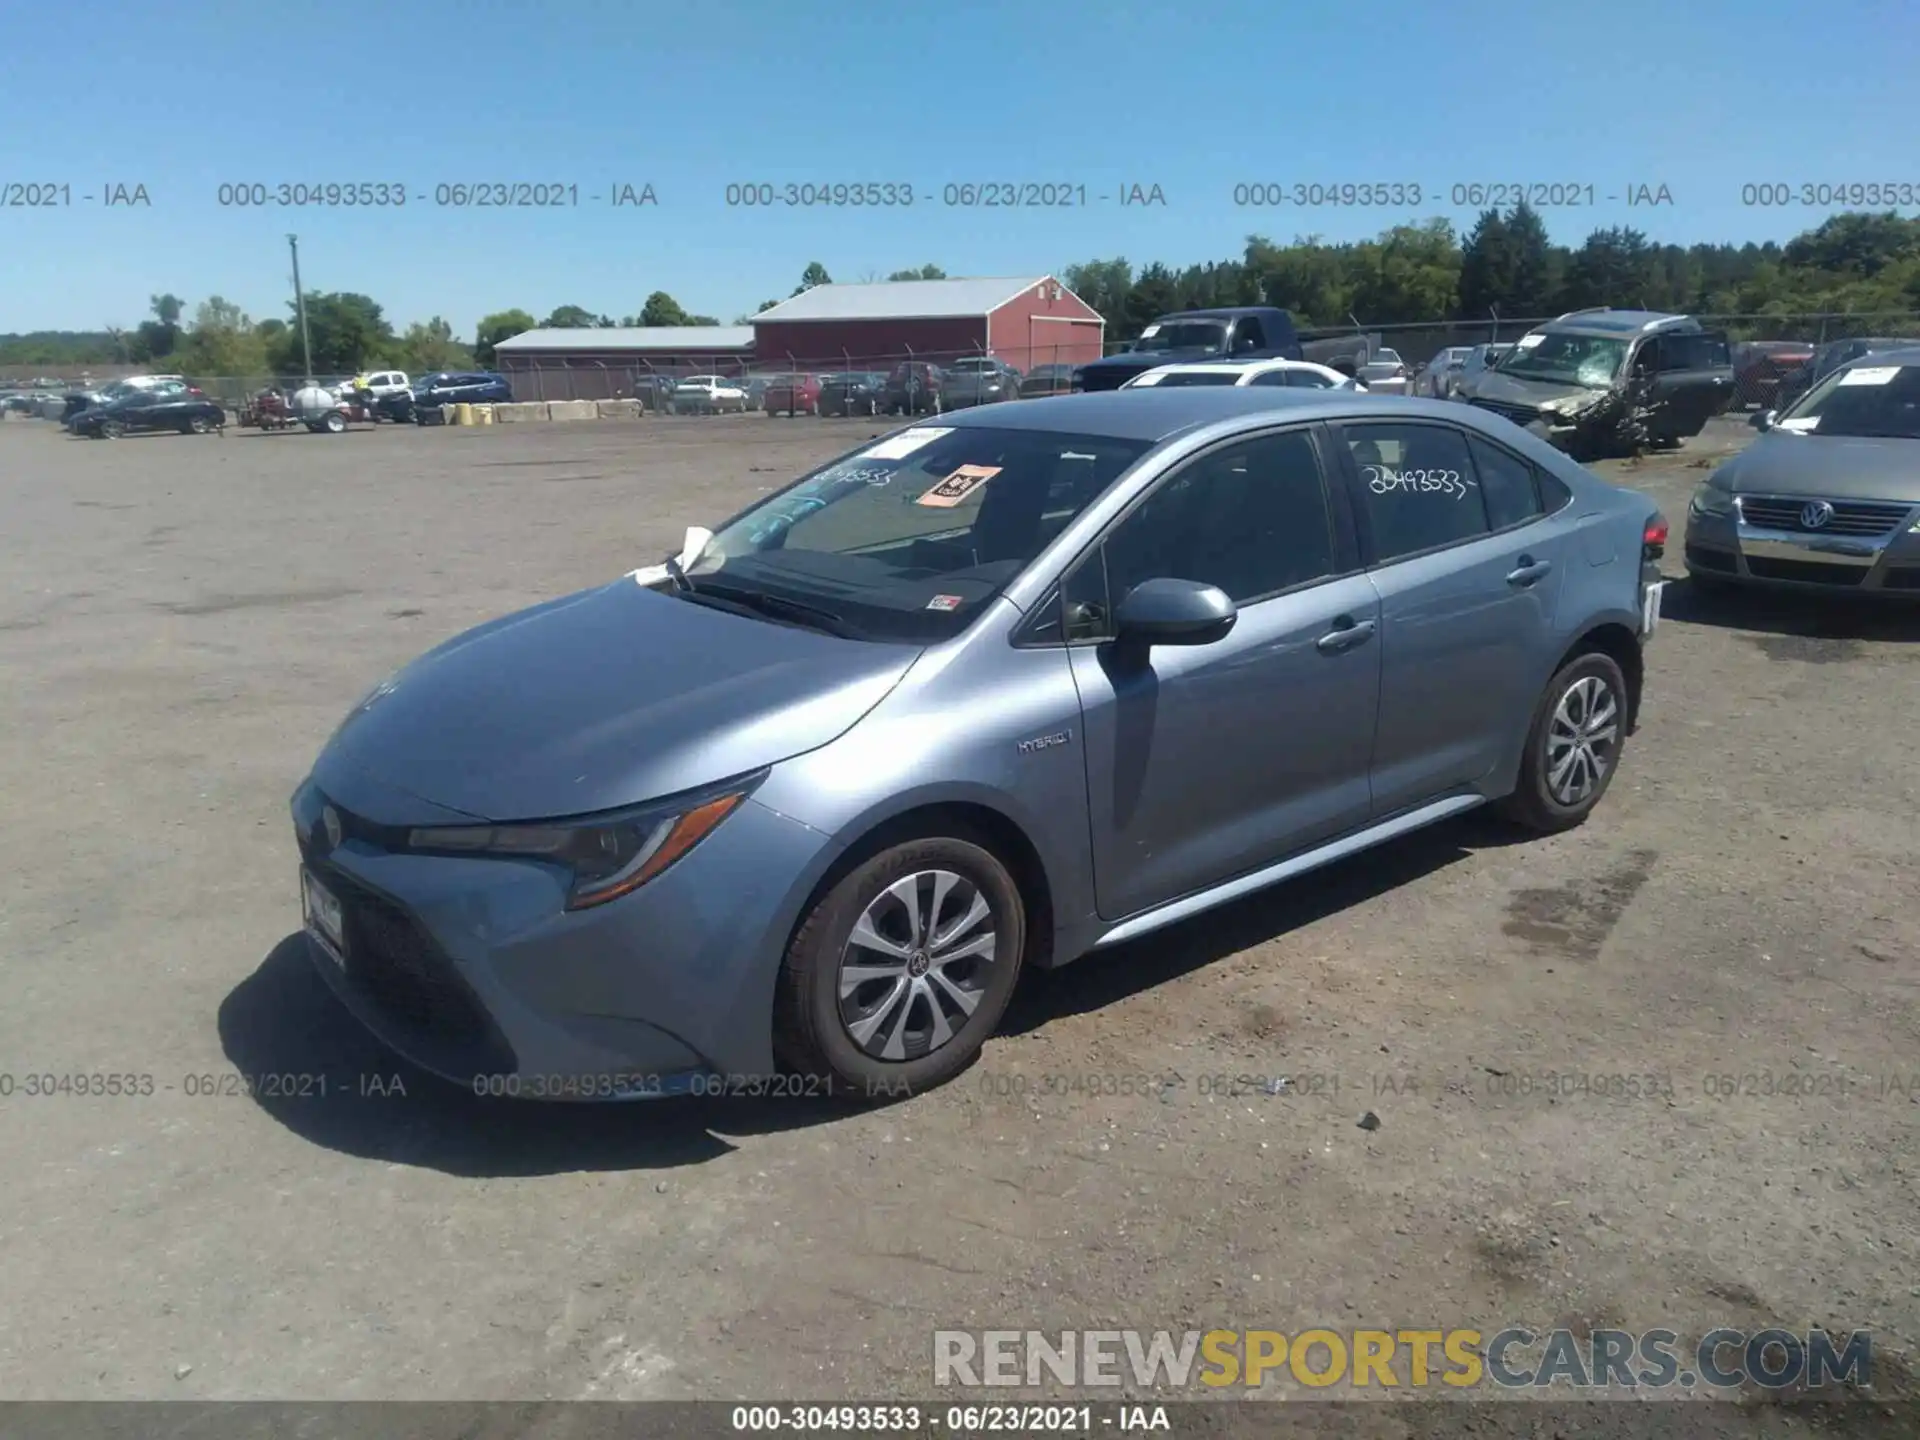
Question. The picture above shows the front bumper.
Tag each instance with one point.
(471, 968)
(1733, 548)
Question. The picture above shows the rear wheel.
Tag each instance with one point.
(901, 971)
(335, 423)
(199, 425)
(1573, 745)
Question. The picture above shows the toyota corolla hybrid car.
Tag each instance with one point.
(1000, 691)
(1828, 498)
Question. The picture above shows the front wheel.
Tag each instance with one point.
(901, 971)
(111, 429)
(1573, 745)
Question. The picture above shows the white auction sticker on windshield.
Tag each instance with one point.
(1149, 331)
(899, 447)
(946, 602)
(1527, 342)
(1870, 375)
(1799, 427)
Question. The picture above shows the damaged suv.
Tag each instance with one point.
(1607, 382)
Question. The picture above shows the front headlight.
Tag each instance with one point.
(607, 858)
(1710, 499)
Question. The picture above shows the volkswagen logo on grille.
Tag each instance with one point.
(330, 822)
(1816, 514)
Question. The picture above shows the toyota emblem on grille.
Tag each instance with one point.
(330, 822)
(1816, 514)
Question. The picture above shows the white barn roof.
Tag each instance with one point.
(640, 339)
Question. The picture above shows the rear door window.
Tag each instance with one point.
(1418, 489)
(1507, 484)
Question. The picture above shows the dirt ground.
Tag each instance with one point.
(183, 622)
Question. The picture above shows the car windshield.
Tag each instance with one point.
(1864, 400)
(909, 538)
(1198, 377)
(1590, 360)
(1208, 335)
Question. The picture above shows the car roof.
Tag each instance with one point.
(1616, 323)
(1874, 359)
(1155, 414)
(1237, 367)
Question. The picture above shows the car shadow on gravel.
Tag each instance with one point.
(315, 1069)
(1813, 624)
(1100, 980)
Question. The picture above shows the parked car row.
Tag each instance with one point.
(169, 403)
(915, 387)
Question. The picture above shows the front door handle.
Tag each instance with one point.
(1344, 636)
(1530, 572)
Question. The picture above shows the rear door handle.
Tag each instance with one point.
(1529, 572)
(1344, 636)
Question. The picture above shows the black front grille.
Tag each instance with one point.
(1902, 577)
(396, 965)
(1853, 518)
(1811, 572)
(1506, 410)
(1703, 559)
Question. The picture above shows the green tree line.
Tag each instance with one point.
(1426, 272)
(1506, 266)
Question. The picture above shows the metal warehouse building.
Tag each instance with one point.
(1025, 322)
(606, 364)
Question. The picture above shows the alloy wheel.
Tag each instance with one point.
(1582, 740)
(914, 969)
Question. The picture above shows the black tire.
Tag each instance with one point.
(199, 425)
(1535, 802)
(335, 423)
(811, 1034)
(111, 430)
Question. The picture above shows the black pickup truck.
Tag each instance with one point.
(1245, 332)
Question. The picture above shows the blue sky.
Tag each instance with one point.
(1700, 97)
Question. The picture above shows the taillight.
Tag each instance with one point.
(1653, 540)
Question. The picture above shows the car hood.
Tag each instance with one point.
(1841, 467)
(1493, 385)
(607, 698)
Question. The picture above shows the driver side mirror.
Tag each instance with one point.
(1173, 612)
(1764, 420)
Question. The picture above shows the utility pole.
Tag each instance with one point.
(300, 304)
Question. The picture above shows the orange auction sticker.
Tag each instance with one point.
(957, 486)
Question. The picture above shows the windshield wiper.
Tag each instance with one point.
(776, 607)
(677, 573)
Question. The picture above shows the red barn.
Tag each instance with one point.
(1025, 322)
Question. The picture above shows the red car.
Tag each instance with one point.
(793, 395)
(1761, 366)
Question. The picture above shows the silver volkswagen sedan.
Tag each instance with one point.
(1828, 498)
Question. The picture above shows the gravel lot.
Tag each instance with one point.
(184, 621)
